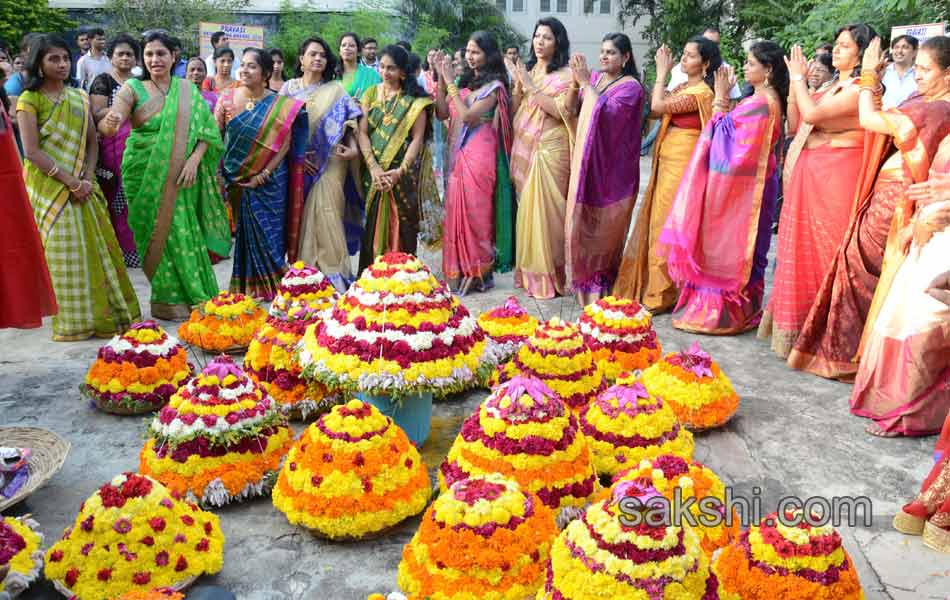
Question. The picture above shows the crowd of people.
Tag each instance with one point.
(135, 157)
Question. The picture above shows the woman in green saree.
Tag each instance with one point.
(355, 76)
(391, 138)
(88, 273)
(171, 157)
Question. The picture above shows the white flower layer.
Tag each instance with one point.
(611, 338)
(120, 345)
(371, 299)
(178, 428)
(245, 389)
(616, 315)
(294, 281)
(400, 276)
(419, 341)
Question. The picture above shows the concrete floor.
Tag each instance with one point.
(792, 435)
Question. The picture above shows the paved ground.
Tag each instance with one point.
(793, 435)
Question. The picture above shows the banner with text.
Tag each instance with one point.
(239, 36)
(921, 32)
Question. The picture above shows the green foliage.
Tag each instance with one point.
(448, 23)
(18, 18)
(178, 17)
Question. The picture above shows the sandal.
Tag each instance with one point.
(875, 430)
(908, 524)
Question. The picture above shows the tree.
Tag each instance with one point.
(448, 24)
(179, 17)
(18, 18)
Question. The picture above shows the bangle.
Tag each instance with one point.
(869, 80)
(797, 78)
(452, 90)
(77, 188)
(52, 172)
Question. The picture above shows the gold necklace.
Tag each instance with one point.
(55, 99)
(389, 108)
(252, 102)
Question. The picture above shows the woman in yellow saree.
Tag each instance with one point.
(544, 100)
(644, 275)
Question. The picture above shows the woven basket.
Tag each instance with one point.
(181, 585)
(48, 454)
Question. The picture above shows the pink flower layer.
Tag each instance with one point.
(399, 351)
(534, 445)
(487, 530)
(157, 397)
(452, 472)
(631, 441)
(339, 435)
(829, 577)
(412, 307)
(11, 543)
(140, 360)
(205, 449)
(169, 414)
(622, 346)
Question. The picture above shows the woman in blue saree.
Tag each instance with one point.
(257, 125)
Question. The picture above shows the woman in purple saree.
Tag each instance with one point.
(601, 195)
(717, 235)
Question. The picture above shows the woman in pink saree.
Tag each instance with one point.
(602, 193)
(717, 236)
(479, 188)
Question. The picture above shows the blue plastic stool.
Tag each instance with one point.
(413, 413)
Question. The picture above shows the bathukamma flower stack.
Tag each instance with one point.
(220, 438)
(524, 432)
(773, 560)
(626, 424)
(557, 355)
(694, 387)
(225, 323)
(352, 474)
(397, 332)
(482, 538)
(620, 333)
(21, 552)
(509, 326)
(133, 534)
(137, 372)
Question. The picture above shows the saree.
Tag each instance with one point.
(643, 274)
(109, 173)
(903, 380)
(252, 138)
(716, 239)
(317, 200)
(174, 227)
(92, 288)
(820, 179)
(392, 216)
(354, 210)
(601, 194)
(541, 171)
(829, 341)
(359, 81)
(929, 512)
(473, 237)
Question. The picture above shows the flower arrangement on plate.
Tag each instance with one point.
(524, 432)
(220, 439)
(692, 384)
(134, 534)
(20, 552)
(557, 355)
(136, 372)
(271, 358)
(352, 474)
(669, 472)
(626, 424)
(620, 333)
(225, 323)
(509, 326)
(776, 560)
(482, 538)
(606, 555)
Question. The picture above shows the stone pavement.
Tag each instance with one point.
(792, 435)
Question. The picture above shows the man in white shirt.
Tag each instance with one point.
(95, 62)
(370, 46)
(898, 78)
(219, 39)
(677, 76)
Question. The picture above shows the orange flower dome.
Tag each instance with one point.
(669, 472)
(483, 538)
(220, 438)
(352, 474)
(557, 355)
(620, 334)
(693, 386)
(133, 534)
(509, 326)
(524, 432)
(21, 551)
(626, 424)
(137, 372)
(226, 323)
(612, 553)
(776, 561)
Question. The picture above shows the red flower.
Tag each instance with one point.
(208, 527)
(141, 578)
(148, 541)
(316, 480)
(182, 564)
(122, 526)
(187, 520)
(202, 546)
(367, 485)
(358, 460)
(293, 466)
(56, 556)
(157, 524)
(111, 496)
(87, 548)
(136, 486)
(87, 523)
(104, 574)
(161, 559)
(72, 575)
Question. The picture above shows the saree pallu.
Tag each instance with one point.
(472, 200)
(643, 274)
(93, 290)
(174, 227)
(717, 236)
(828, 345)
(26, 292)
(602, 193)
(392, 216)
(541, 171)
(252, 139)
(111, 150)
(317, 200)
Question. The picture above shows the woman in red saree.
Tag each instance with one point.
(717, 236)
(929, 513)
(479, 187)
(828, 343)
(821, 172)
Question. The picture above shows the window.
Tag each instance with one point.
(605, 7)
(588, 6)
(501, 5)
(545, 5)
(517, 5)
(562, 6)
